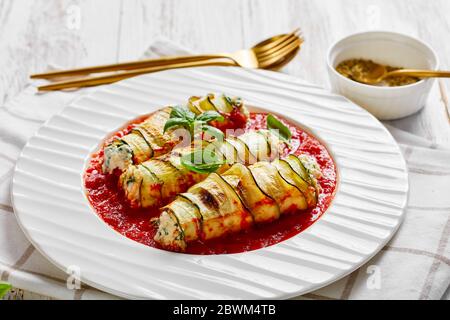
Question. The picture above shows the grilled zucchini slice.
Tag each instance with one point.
(311, 166)
(219, 205)
(299, 168)
(212, 226)
(204, 104)
(192, 105)
(222, 103)
(307, 167)
(243, 151)
(147, 138)
(150, 188)
(141, 150)
(287, 196)
(294, 179)
(153, 129)
(236, 216)
(169, 176)
(257, 144)
(190, 177)
(262, 207)
(188, 217)
(228, 151)
(276, 145)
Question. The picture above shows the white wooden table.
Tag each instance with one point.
(73, 33)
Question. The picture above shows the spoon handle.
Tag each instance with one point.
(420, 73)
(111, 78)
(128, 66)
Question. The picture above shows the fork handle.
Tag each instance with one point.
(147, 63)
(94, 81)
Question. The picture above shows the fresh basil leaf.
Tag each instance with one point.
(176, 122)
(178, 112)
(190, 115)
(205, 168)
(213, 131)
(210, 116)
(277, 127)
(199, 162)
(4, 288)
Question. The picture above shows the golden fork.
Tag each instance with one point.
(272, 53)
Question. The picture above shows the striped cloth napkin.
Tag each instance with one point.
(414, 265)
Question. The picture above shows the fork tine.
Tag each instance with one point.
(269, 52)
(276, 42)
(282, 53)
(282, 61)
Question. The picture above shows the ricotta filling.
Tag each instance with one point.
(117, 157)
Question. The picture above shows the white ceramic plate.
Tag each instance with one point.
(51, 206)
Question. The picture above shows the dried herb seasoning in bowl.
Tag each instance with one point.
(386, 102)
(354, 68)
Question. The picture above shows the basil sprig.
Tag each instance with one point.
(277, 127)
(4, 288)
(202, 161)
(184, 118)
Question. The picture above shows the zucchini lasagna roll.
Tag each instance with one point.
(148, 140)
(236, 199)
(157, 181)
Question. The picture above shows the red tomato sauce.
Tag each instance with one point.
(109, 203)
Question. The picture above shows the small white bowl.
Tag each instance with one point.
(389, 48)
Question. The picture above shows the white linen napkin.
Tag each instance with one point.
(414, 265)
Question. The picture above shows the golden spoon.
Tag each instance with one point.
(379, 72)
